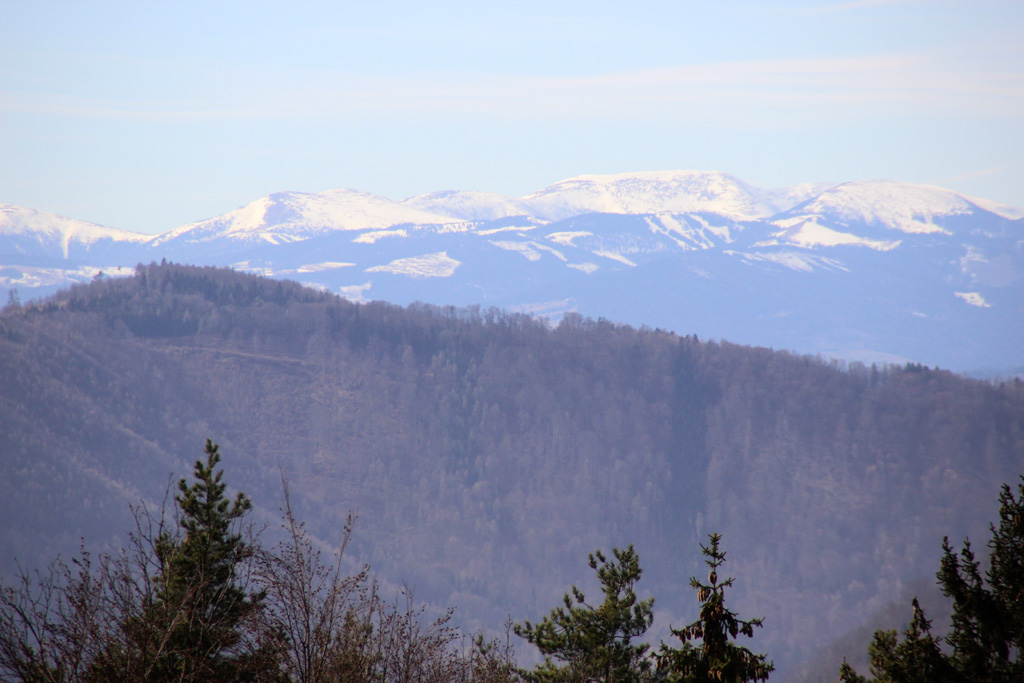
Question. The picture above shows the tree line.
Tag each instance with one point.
(194, 596)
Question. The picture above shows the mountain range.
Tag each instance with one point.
(868, 270)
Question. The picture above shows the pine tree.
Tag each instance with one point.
(988, 621)
(202, 606)
(987, 636)
(917, 659)
(716, 659)
(594, 643)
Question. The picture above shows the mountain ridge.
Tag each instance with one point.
(657, 190)
(946, 258)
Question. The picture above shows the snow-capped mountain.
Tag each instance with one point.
(27, 231)
(295, 216)
(651, 192)
(868, 269)
(40, 251)
(885, 204)
(469, 206)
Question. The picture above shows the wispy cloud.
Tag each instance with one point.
(878, 84)
(779, 85)
(77, 106)
(970, 176)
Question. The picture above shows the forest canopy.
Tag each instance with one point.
(487, 452)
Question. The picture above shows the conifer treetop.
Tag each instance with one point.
(716, 658)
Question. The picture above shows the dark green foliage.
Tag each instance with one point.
(918, 658)
(200, 587)
(986, 643)
(582, 642)
(988, 620)
(173, 604)
(197, 618)
(716, 658)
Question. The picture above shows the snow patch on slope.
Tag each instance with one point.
(678, 230)
(429, 265)
(810, 233)
(531, 250)
(790, 259)
(506, 228)
(524, 248)
(551, 250)
(322, 266)
(356, 293)
(566, 239)
(374, 235)
(614, 256)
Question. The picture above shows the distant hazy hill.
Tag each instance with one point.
(487, 453)
(872, 270)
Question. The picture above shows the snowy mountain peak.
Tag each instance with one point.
(785, 198)
(900, 206)
(650, 192)
(17, 222)
(292, 216)
(468, 205)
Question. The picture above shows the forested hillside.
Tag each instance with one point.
(487, 453)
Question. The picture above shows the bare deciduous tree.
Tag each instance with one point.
(311, 602)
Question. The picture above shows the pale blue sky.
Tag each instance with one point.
(146, 116)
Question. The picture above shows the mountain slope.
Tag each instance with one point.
(41, 234)
(487, 453)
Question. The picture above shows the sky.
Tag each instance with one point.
(146, 116)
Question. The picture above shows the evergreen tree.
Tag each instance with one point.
(202, 622)
(988, 621)
(918, 659)
(716, 659)
(582, 642)
(987, 636)
(201, 573)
